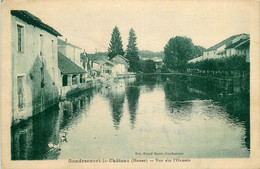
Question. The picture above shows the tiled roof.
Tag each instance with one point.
(244, 45)
(66, 66)
(236, 43)
(33, 20)
(118, 59)
(226, 42)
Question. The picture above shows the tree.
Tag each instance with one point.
(116, 45)
(198, 51)
(177, 52)
(132, 51)
(148, 66)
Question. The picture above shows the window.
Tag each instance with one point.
(64, 80)
(82, 79)
(74, 80)
(41, 45)
(20, 33)
(20, 92)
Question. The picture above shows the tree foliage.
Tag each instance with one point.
(221, 64)
(148, 66)
(177, 52)
(132, 52)
(198, 51)
(116, 45)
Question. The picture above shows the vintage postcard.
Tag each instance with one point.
(130, 84)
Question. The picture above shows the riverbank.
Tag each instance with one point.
(124, 110)
(71, 91)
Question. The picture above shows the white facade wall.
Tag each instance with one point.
(26, 64)
(208, 54)
(119, 69)
(72, 52)
(96, 66)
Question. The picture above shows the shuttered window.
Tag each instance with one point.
(20, 92)
(41, 45)
(20, 40)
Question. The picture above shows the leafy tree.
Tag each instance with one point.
(148, 66)
(177, 52)
(198, 51)
(116, 45)
(132, 51)
(223, 64)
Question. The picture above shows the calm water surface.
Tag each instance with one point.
(126, 118)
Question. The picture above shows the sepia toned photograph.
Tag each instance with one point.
(129, 82)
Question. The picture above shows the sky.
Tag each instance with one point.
(89, 24)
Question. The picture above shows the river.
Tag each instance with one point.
(142, 117)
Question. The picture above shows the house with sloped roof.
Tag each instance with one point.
(236, 45)
(121, 64)
(35, 73)
(97, 64)
(221, 48)
(102, 66)
(72, 75)
(239, 48)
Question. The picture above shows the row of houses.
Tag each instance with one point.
(236, 45)
(45, 67)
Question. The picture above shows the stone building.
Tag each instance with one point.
(35, 73)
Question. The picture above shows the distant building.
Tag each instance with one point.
(121, 65)
(235, 45)
(35, 73)
(103, 67)
(70, 51)
(97, 64)
(84, 61)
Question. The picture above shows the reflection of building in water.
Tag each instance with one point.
(206, 92)
(176, 90)
(42, 136)
(71, 111)
(22, 142)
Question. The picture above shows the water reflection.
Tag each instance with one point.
(211, 97)
(116, 96)
(41, 137)
(132, 94)
(200, 118)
